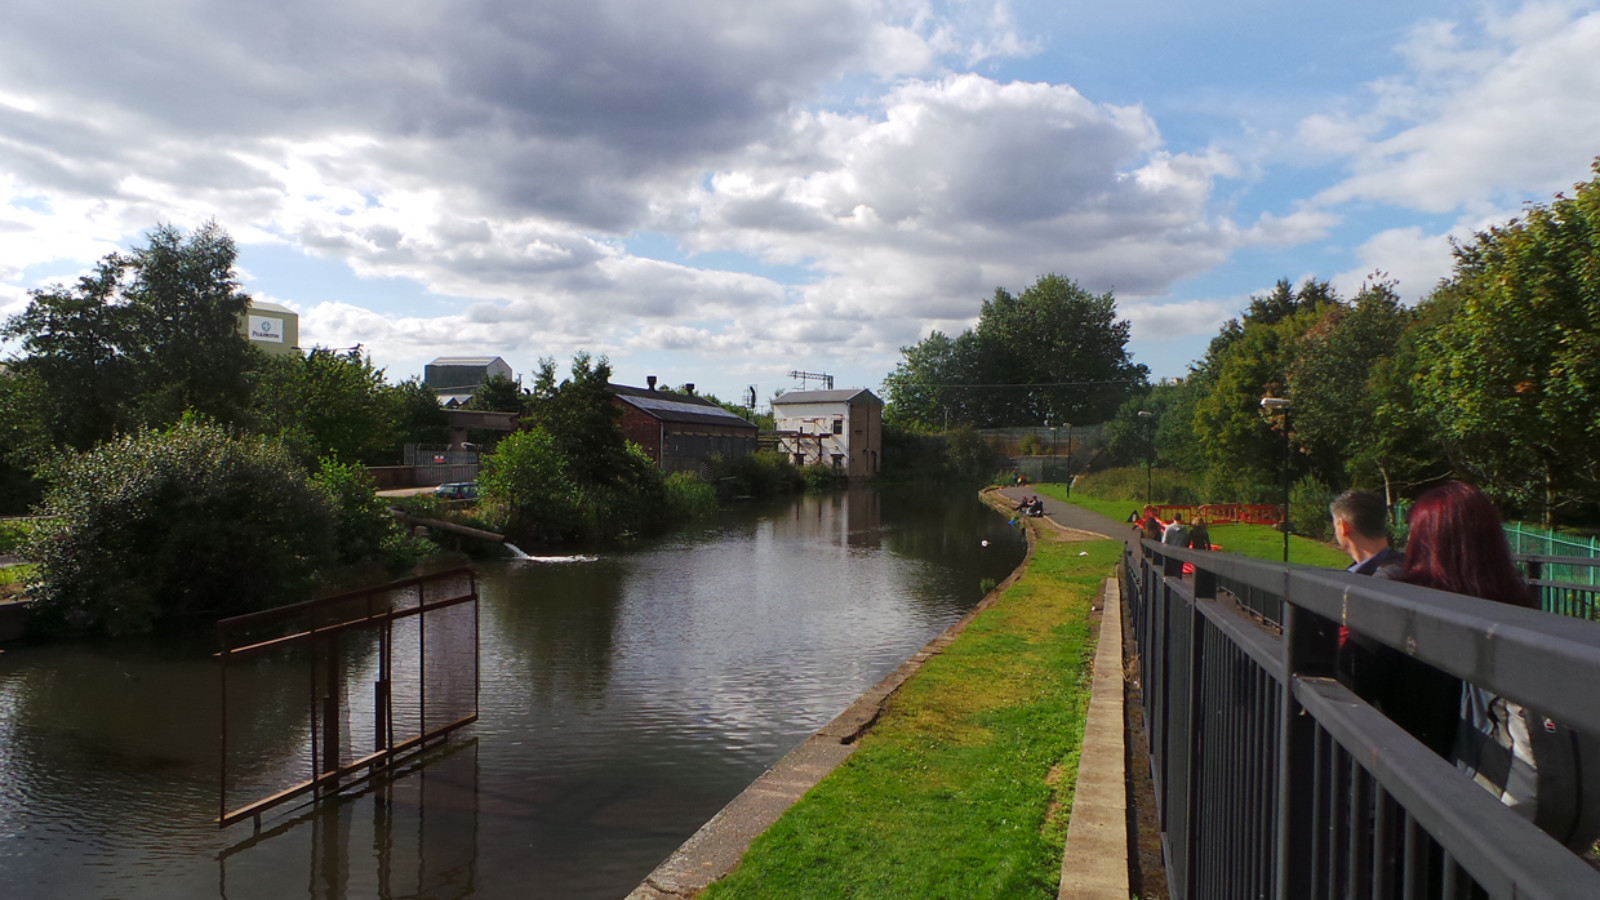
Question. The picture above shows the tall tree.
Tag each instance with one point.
(1055, 353)
(1514, 378)
(185, 343)
(327, 404)
(146, 337)
(496, 393)
(1330, 383)
(72, 384)
(1251, 359)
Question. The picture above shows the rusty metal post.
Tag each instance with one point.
(222, 791)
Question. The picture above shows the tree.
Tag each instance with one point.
(1053, 354)
(497, 393)
(618, 488)
(527, 488)
(580, 417)
(326, 404)
(1249, 360)
(419, 418)
(1513, 376)
(1170, 426)
(72, 385)
(1330, 384)
(185, 341)
(149, 335)
(164, 525)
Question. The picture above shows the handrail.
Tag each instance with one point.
(1274, 779)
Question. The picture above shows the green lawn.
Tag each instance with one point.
(963, 786)
(1255, 541)
(13, 534)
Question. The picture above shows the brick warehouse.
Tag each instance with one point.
(681, 432)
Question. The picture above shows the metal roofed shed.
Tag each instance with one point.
(462, 374)
(682, 432)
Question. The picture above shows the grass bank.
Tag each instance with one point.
(964, 785)
(1255, 541)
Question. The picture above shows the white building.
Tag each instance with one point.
(842, 429)
(273, 328)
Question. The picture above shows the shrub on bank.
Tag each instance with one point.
(162, 525)
(687, 497)
(765, 473)
(363, 530)
(535, 493)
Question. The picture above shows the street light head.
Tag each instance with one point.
(1145, 413)
(1274, 403)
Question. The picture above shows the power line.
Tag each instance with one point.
(1038, 384)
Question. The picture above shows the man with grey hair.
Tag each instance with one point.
(1360, 526)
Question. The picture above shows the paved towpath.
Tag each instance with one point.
(1069, 516)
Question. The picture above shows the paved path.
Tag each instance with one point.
(1068, 515)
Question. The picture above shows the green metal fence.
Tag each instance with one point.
(1569, 588)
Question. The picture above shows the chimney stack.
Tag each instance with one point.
(688, 388)
(650, 380)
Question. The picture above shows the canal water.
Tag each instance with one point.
(625, 698)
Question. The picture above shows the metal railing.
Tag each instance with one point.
(1569, 585)
(327, 651)
(1272, 779)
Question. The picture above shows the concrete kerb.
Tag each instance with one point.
(1094, 865)
(718, 846)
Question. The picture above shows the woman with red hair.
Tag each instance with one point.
(1457, 545)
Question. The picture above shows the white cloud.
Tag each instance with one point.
(1410, 256)
(1480, 119)
(1169, 321)
(501, 152)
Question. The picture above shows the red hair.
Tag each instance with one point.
(1457, 545)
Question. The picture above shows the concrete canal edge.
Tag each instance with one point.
(1095, 863)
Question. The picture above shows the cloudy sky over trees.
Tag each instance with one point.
(721, 191)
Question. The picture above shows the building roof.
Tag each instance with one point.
(264, 306)
(683, 408)
(466, 361)
(842, 396)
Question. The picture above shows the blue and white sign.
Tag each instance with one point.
(266, 329)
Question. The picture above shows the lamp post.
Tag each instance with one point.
(1150, 450)
(1053, 430)
(1271, 405)
(1069, 460)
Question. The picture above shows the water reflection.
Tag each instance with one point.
(624, 700)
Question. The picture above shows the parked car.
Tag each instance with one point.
(457, 490)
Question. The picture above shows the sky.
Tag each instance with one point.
(721, 192)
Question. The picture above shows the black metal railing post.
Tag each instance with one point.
(1309, 651)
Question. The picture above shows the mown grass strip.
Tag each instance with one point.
(963, 787)
(1254, 541)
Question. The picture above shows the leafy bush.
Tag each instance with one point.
(161, 525)
(1031, 445)
(1308, 509)
(526, 489)
(820, 478)
(969, 457)
(764, 473)
(688, 497)
(363, 530)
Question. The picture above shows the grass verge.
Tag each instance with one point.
(963, 786)
(11, 580)
(1255, 541)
